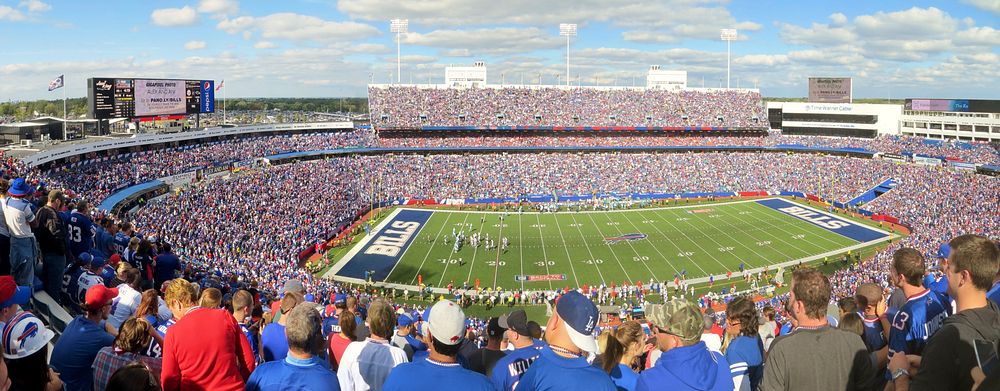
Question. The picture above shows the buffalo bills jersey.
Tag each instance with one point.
(916, 321)
(80, 232)
(874, 338)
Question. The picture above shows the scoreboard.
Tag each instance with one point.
(136, 98)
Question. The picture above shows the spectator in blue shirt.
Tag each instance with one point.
(242, 310)
(83, 338)
(273, 344)
(166, 266)
(302, 368)
(563, 364)
(440, 370)
(686, 363)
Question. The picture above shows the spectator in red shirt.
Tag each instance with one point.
(205, 349)
(339, 341)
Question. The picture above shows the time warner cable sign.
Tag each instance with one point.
(830, 89)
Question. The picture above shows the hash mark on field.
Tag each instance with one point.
(578, 225)
(545, 256)
(430, 249)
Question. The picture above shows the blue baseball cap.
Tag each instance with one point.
(86, 258)
(97, 262)
(340, 299)
(12, 294)
(310, 298)
(944, 251)
(404, 320)
(580, 316)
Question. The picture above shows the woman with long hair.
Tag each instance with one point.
(133, 338)
(621, 348)
(148, 310)
(745, 351)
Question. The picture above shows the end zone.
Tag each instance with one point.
(380, 251)
(830, 222)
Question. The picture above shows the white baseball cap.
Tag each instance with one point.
(446, 322)
(24, 335)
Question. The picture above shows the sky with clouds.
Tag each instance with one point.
(313, 48)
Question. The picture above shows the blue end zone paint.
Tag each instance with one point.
(386, 248)
(824, 220)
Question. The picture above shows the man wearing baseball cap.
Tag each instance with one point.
(404, 327)
(563, 364)
(83, 338)
(12, 297)
(440, 370)
(485, 359)
(331, 323)
(686, 363)
(509, 369)
(20, 216)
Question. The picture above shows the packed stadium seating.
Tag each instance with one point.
(415, 107)
(247, 231)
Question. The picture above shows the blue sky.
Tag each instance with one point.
(311, 48)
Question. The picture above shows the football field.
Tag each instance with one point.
(554, 250)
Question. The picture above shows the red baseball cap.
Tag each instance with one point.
(115, 259)
(11, 294)
(99, 295)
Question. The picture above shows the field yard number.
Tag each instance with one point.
(641, 258)
(538, 226)
(725, 249)
(494, 263)
(764, 243)
(576, 225)
(799, 236)
(464, 225)
(612, 223)
(685, 254)
(648, 221)
(545, 263)
(500, 225)
(745, 212)
(594, 261)
(682, 219)
(715, 215)
(450, 261)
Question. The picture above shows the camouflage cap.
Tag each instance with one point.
(678, 317)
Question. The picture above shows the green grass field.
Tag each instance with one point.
(712, 241)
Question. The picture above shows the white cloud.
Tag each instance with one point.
(297, 27)
(978, 36)
(219, 7)
(838, 19)
(456, 53)
(35, 6)
(910, 24)
(493, 40)
(172, 17)
(986, 5)
(265, 45)
(648, 37)
(761, 59)
(194, 45)
(7, 13)
(699, 19)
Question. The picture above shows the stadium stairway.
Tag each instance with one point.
(873, 193)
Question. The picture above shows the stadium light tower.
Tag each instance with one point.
(728, 35)
(567, 30)
(399, 26)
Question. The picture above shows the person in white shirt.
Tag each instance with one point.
(366, 364)
(712, 340)
(20, 218)
(129, 296)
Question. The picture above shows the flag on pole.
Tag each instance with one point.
(221, 83)
(56, 84)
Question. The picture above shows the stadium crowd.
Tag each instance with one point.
(976, 152)
(98, 178)
(412, 107)
(232, 243)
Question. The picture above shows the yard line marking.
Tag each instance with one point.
(627, 277)
(452, 253)
(541, 236)
(599, 273)
(429, 249)
(694, 242)
(632, 245)
(657, 248)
